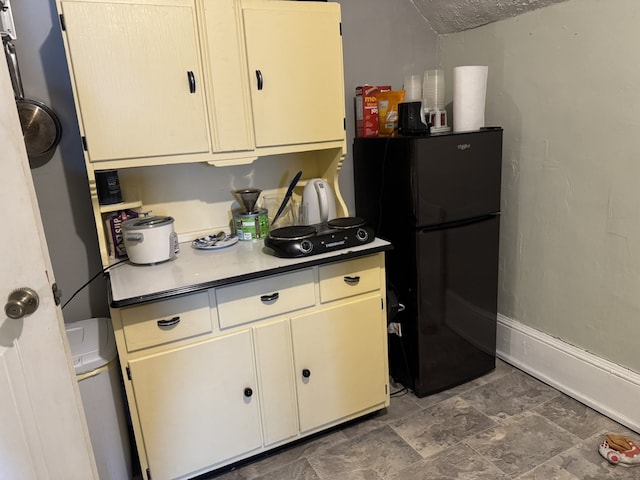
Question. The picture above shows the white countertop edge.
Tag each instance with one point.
(194, 269)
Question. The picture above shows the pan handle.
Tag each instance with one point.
(192, 81)
(14, 71)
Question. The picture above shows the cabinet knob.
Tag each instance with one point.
(248, 392)
(306, 373)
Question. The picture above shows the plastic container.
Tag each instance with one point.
(94, 356)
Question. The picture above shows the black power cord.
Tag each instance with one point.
(91, 280)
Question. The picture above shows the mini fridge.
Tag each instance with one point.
(437, 200)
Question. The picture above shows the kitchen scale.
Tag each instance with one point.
(305, 240)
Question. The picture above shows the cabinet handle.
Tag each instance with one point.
(306, 373)
(259, 77)
(192, 81)
(270, 298)
(248, 392)
(351, 280)
(170, 322)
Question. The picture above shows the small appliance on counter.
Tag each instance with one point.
(249, 222)
(306, 240)
(150, 240)
(318, 201)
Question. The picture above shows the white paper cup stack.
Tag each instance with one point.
(469, 96)
(433, 89)
(412, 88)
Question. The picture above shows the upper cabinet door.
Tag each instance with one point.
(225, 62)
(294, 53)
(138, 78)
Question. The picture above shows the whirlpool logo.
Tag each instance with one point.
(464, 146)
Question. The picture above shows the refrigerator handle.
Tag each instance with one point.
(460, 223)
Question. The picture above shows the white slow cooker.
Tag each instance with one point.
(150, 240)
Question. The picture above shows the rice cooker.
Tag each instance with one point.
(149, 240)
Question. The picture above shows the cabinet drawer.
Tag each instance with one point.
(353, 277)
(275, 295)
(166, 321)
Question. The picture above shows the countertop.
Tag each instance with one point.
(193, 270)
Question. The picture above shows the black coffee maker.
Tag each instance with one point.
(411, 120)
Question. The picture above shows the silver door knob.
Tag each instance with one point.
(23, 301)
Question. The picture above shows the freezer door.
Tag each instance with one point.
(456, 176)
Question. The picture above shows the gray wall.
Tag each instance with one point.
(563, 82)
(61, 181)
(383, 41)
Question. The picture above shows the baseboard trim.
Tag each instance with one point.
(602, 385)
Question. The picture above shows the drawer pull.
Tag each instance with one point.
(306, 373)
(170, 322)
(270, 298)
(248, 392)
(259, 79)
(351, 280)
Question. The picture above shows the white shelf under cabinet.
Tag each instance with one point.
(116, 207)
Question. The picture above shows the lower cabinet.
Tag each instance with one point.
(197, 405)
(340, 357)
(202, 398)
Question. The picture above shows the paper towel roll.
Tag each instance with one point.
(469, 96)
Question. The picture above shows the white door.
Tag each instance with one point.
(43, 433)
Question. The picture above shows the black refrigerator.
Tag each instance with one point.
(437, 200)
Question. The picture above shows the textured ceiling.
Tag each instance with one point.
(448, 16)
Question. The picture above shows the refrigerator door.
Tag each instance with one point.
(456, 177)
(408, 182)
(456, 303)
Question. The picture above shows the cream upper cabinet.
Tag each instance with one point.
(294, 52)
(221, 81)
(138, 77)
(229, 97)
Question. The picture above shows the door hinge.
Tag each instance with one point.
(386, 389)
(84, 144)
(340, 28)
(148, 474)
(57, 293)
(344, 123)
(128, 372)
(63, 26)
(382, 303)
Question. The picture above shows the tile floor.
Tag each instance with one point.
(505, 425)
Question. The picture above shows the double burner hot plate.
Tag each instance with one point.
(305, 240)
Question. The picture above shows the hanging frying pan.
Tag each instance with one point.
(40, 125)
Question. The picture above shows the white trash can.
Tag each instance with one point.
(94, 354)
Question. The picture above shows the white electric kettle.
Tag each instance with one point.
(319, 201)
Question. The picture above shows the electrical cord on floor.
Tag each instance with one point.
(404, 390)
(91, 280)
(399, 393)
